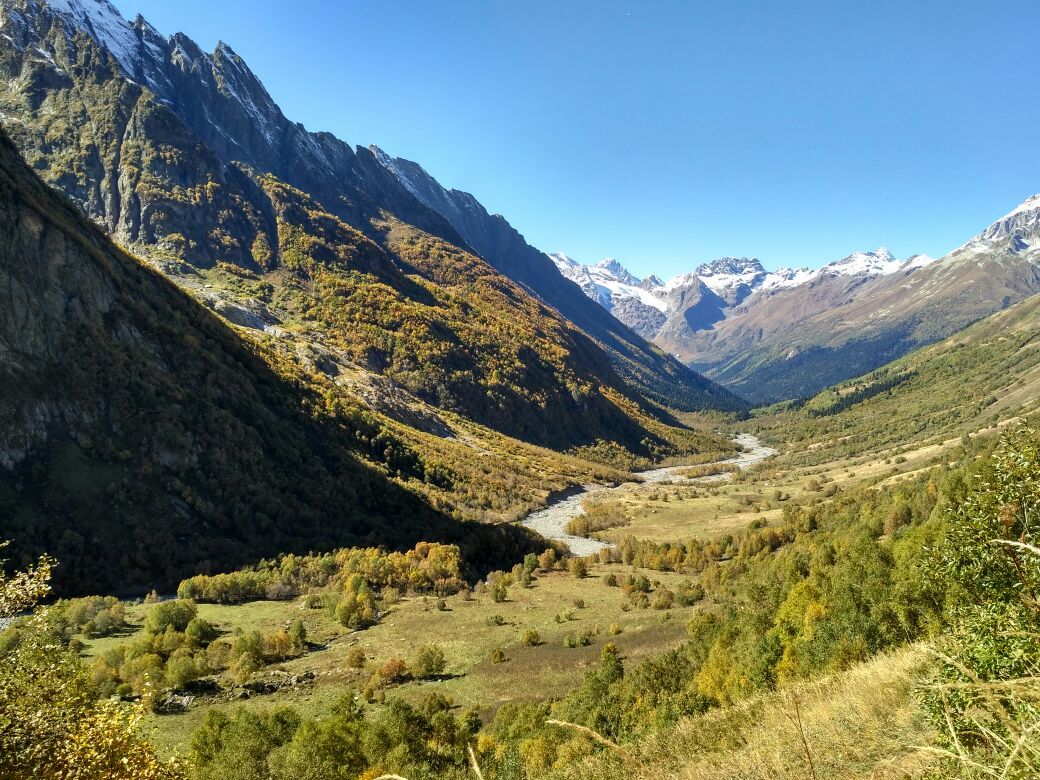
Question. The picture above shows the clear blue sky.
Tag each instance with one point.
(669, 133)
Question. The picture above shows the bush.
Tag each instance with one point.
(394, 670)
(663, 599)
(531, 638)
(428, 662)
(688, 593)
(199, 632)
(578, 567)
(547, 560)
(356, 658)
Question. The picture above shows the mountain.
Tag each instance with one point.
(791, 332)
(626, 297)
(654, 373)
(864, 311)
(691, 301)
(981, 375)
(184, 158)
(142, 439)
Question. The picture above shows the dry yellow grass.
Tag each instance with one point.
(862, 723)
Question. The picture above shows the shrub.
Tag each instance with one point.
(663, 599)
(394, 670)
(428, 662)
(199, 632)
(547, 560)
(688, 593)
(531, 638)
(498, 656)
(356, 658)
(578, 567)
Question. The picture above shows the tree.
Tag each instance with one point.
(199, 632)
(428, 662)
(175, 614)
(298, 636)
(51, 722)
(547, 560)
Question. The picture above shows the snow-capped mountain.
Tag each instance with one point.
(859, 312)
(636, 302)
(880, 262)
(713, 288)
(1019, 229)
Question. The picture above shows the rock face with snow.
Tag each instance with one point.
(862, 311)
(671, 311)
(787, 333)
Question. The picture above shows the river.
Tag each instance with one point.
(551, 521)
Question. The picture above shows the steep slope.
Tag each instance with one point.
(988, 372)
(294, 232)
(795, 342)
(654, 373)
(142, 440)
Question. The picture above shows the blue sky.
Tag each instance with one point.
(670, 133)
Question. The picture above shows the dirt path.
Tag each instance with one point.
(551, 521)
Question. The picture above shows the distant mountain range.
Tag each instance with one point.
(771, 335)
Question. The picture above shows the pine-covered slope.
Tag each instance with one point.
(141, 439)
(985, 373)
(169, 148)
(654, 372)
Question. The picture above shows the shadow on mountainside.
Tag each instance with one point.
(142, 440)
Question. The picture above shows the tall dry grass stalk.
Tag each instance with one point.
(861, 723)
(999, 736)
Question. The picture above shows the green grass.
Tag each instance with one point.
(462, 631)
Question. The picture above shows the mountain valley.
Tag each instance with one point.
(313, 468)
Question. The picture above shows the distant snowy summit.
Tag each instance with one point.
(716, 286)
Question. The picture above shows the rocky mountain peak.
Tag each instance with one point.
(1019, 228)
(876, 263)
(618, 271)
(737, 266)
